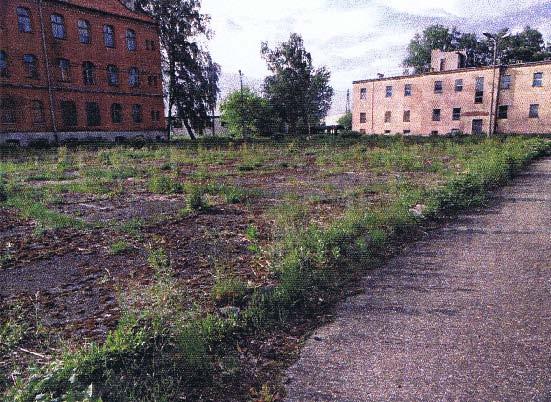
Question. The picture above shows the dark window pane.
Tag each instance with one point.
(23, 19)
(84, 32)
(93, 117)
(134, 77)
(131, 40)
(534, 111)
(3, 64)
(458, 85)
(137, 113)
(69, 113)
(58, 26)
(438, 85)
(436, 115)
(31, 65)
(363, 118)
(456, 114)
(503, 112)
(109, 36)
(112, 75)
(37, 112)
(8, 110)
(64, 69)
(88, 73)
(116, 113)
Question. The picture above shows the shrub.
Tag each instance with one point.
(228, 290)
(164, 185)
(196, 198)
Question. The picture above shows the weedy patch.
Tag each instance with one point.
(164, 185)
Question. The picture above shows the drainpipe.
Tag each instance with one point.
(48, 73)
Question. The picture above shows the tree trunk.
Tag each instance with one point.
(172, 80)
(189, 130)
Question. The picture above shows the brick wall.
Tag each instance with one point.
(20, 93)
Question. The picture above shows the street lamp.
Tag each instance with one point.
(495, 38)
(242, 106)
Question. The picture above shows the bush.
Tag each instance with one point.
(164, 185)
(196, 198)
(228, 290)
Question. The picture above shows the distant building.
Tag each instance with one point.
(455, 99)
(78, 69)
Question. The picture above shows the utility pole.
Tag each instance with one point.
(242, 106)
(493, 117)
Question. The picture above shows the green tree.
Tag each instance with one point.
(346, 121)
(299, 93)
(420, 48)
(525, 46)
(247, 114)
(191, 76)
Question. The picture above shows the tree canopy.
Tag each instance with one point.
(190, 73)
(299, 93)
(525, 46)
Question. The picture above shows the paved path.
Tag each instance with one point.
(463, 315)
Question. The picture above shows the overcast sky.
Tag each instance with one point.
(355, 39)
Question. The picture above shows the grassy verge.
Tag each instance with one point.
(157, 354)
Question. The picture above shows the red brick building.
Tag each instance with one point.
(78, 69)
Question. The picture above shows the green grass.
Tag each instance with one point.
(158, 352)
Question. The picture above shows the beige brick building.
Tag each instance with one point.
(453, 98)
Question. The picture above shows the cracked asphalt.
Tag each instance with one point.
(462, 315)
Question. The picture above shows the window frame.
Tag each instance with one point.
(93, 114)
(133, 77)
(388, 116)
(537, 82)
(503, 112)
(458, 86)
(69, 119)
(534, 112)
(363, 93)
(113, 75)
(363, 118)
(407, 116)
(37, 109)
(407, 89)
(116, 111)
(131, 40)
(64, 72)
(507, 78)
(86, 29)
(8, 111)
(4, 67)
(137, 113)
(456, 114)
(88, 74)
(479, 90)
(31, 66)
(388, 91)
(24, 21)
(438, 87)
(109, 32)
(58, 27)
(436, 115)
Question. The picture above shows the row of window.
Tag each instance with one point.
(8, 115)
(458, 87)
(88, 71)
(503, 112)
(84, 30)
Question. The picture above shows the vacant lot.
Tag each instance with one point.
(92, 236)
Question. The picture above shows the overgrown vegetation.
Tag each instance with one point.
(166, 344)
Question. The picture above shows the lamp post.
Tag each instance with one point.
(242, 106)
(495, 38)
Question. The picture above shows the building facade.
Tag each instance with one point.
(78, 69)
(514, 99)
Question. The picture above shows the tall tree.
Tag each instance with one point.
(299, 93)
(190, 74)
(526, 46)
(246, 113)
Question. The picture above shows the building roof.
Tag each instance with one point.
(113, 7)
(459, 70)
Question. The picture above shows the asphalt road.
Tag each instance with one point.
(462, 315)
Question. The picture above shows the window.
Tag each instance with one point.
(436, 114)
(407, 90)
(134, 77)
(84, 35)
(479, 90)
(438, 87)
(88, 73)
(407, 131)
(64, 69)
(24, 19)
(363, 118)
(538, 80)
(112, 75)
(407, 116)
(389, 91)
(388, 117)
(502, 112)
(458, 85)
(363, 94)
(387, 131)
(31, 65)
(362, 131)
(58, 26)
(108, 36)
(456, 113)
(137, 113)
(155, 116)
(116, 113)
(37, 108)
(442, 64)
(3, 64)
(534, 111)
(131, 40)
(7, 111)
(435, 132)
(69, 113)
(93, 117)
(477, 126)
(505, 82)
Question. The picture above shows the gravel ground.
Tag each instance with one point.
(463, 315)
